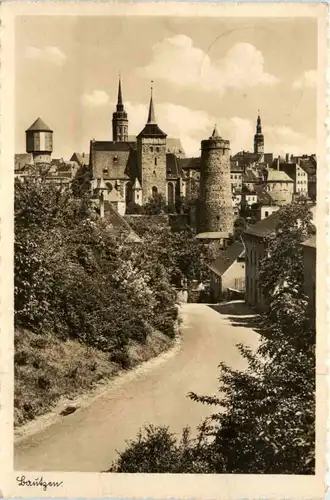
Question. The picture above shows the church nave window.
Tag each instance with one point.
(155, 161)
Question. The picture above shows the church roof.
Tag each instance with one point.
(39, 126)
(190, 163)
(112, 145)
(172, 166)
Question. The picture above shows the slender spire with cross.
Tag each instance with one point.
(120, 96)
(151, 114)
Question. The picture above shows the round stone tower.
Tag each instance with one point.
(216, 213)
(39, 141)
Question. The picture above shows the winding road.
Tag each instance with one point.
(87, 440)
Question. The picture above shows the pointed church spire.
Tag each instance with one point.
(151, 114)
(119, 118)
(259, 128)
(258, 138)
(120, 97)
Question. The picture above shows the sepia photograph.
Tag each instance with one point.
(167, 216)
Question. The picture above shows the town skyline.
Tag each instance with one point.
(221, 75)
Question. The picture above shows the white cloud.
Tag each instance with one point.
(192, 126)
(178, 62)
(95, 98)
(284, 140)
(307, 80)
(49, 54)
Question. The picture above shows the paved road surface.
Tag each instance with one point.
(87, 440)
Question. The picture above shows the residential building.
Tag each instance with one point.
(227, 272)
(280, 186)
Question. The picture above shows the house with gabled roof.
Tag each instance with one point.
(227, 272)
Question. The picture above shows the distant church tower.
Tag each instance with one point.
(258, 138)
(39, 141)
(151, 147)
(215, 212)
(119, 119)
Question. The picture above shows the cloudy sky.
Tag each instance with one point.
(205, 71)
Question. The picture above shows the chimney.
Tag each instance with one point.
(287, 158)
(278, 163)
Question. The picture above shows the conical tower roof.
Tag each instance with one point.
(39, 126)
(137, 184)
(151, 114)
(215, 132)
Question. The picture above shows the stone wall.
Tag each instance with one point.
(150, 152)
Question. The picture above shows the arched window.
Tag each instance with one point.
(155, 161)
(170, 193)
(154, 191)
(151, 149)
(128, 192)
(109, 186)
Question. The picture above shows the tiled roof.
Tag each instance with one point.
(289, 169)
(152, 130)
(174, 145)
(117, 224)
(113, 160)
(278, 176)
(23, 159)
(39, 126)
(249, 176)
(187, 163)
(112, 146)
(81, 158)
(264, 197)
(235, 166)
(172, 167)
(265, 226)
(308, 167)
(227, 258)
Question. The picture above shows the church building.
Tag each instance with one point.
(141, 167)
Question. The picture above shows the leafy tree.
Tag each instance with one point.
(168, 454)
(156, 205)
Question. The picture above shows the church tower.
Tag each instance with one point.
(258, 138)
(151, 147)
(39, 142)
(215, 212)
(119, 119)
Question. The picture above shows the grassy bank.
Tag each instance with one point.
(48, 369)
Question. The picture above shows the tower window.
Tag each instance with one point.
(155, 161)
(154, 191)
(151, 149)
(105, 170)
(157, 149)
(115, 158)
